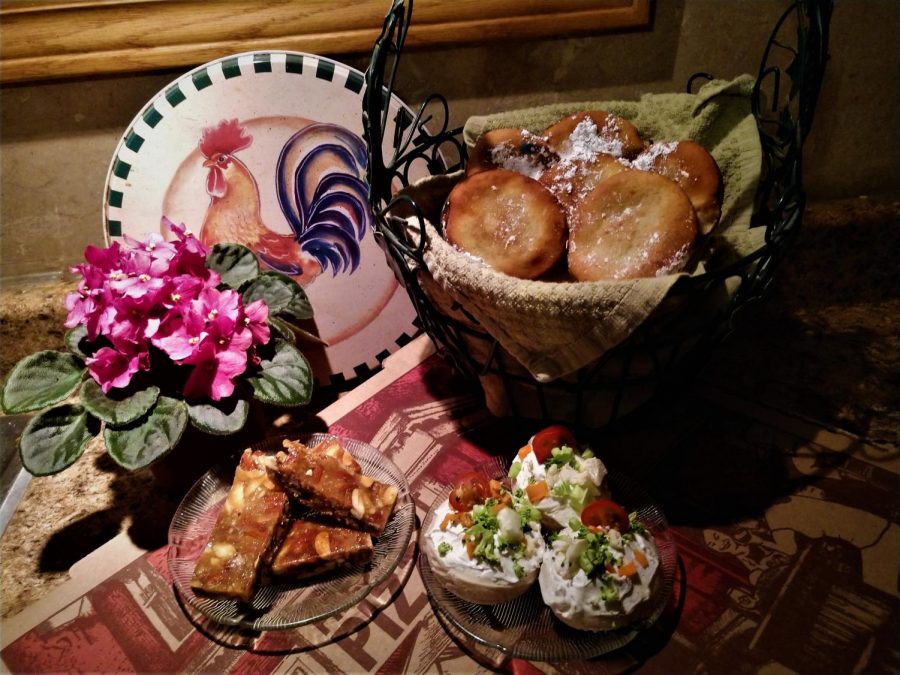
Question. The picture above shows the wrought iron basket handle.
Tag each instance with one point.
(783, 103)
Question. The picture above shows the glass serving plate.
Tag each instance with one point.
(525, 627)
(287, 604)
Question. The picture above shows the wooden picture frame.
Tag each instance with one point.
(41, 39)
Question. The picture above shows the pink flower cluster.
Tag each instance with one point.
(160, 293)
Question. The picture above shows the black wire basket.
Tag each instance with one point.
(670, 344)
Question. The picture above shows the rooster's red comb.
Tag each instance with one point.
(227, 137)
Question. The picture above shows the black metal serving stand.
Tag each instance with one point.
(783, 103)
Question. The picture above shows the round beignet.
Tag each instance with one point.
(514, 149)
(694, 170)
(510, 221)
(571, 181)
(584, 134)
(634, 224)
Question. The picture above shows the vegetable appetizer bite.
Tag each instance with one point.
(600, 572)
(558, 477)
(597, 566)
(486, 545)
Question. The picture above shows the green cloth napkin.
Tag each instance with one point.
(555, 328)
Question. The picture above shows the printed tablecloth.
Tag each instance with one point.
(788, 543)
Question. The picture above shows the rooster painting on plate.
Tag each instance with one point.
(319, 188)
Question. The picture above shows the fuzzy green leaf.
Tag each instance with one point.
(73, 340)
(118, 407)
(284, 378)
(299, 307)
(56, 438)
(40, 380)
(150, 438)
(276, 289)
(219, 417)
(281, 328)
(236, 264)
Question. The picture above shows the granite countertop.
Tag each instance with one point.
(824, 346)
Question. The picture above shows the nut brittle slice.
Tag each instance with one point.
(331, 447)
(312, 548)
(323, 483)
(245, 534)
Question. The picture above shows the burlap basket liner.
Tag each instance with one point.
(555, 331)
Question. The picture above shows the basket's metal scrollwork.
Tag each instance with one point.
(783, 103)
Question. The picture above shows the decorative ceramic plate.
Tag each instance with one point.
(287, 604)
(265, 149)
(525, 627)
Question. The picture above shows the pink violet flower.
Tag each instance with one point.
(191, 254)
(136, 323)
(104, 259)
(214, 372)
(180, 334)
(161, 293)
(111, 368)
(256, 316)
(151, 256)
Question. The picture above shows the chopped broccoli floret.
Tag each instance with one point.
(574, 495)
(518, 569)
(561, 457)
(608, 590)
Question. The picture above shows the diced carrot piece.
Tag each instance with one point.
(463, 519)
(627, 570)
(496, 488)
(537, 491)
(523, 451)
(498, 507)
(640, 557)
(470, 548)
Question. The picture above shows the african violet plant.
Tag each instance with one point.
(162, 334)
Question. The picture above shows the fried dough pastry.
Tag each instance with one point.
(634, 224)
(515, 149)
(585, 134)
(510, 221)
(694, 170)
(571, 181)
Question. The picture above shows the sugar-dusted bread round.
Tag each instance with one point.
(634, 224)
(515, 149)
(696, 172)
(510, 221)
(571, 181)
(584, 134)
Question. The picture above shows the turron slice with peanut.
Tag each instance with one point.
(298, 513)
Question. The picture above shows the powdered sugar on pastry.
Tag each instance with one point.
(587, 141)
(646, 160)
(508, 155)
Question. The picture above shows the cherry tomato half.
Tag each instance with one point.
(605, 513)
(552, 437)
(468, 490)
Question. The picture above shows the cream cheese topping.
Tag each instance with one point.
(556, 509)
(479, 580)
(603, 600)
